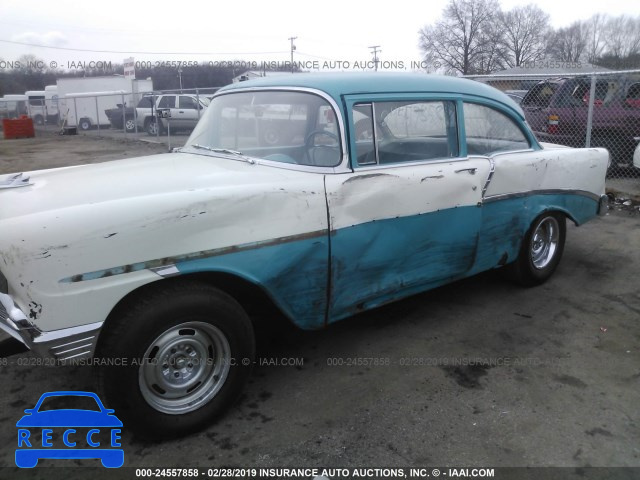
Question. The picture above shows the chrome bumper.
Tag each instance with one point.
(603, 205)
(67, 344)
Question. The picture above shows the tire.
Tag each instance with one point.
(38, 120)
(150, 126)
(188, 350)
(130, 125)
(85, 124)
(541, 250)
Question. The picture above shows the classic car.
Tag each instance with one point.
(162, 262)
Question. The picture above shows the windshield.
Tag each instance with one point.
(287, 127)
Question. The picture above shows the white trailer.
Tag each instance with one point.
(36, 106)
(82, 101)
(51, 103)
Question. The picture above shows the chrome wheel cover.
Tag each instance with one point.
(544, 242)
(184, 367)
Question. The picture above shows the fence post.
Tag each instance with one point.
(97, 115)
(124, 117)
(592, 99)
(75, 109)
(198, 103)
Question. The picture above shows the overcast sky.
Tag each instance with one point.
(336, 30)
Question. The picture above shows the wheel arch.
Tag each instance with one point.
(253, 298)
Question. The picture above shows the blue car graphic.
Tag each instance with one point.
(77, 444)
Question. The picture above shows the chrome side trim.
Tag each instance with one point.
(64, 344)
(559, 191)
(166, 271)
(160, 264)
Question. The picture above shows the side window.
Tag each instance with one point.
(633, 96)
(167, 102)
(489, 131)
(399, 132)
(187, 102)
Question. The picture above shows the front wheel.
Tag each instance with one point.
(541, 250)
(186, 351)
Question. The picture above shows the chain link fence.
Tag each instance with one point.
(166, 116)
(581, 110)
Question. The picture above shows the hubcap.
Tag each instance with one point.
(184, 367)
(544, 242)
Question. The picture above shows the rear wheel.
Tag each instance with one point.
(188, 350)
(541, 250)
(151, 126)
(85, 124)
(130, 125)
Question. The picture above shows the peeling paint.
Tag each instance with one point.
(435, 177)
(368, 175)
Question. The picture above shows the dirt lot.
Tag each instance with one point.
(477, 373)
(49, 150)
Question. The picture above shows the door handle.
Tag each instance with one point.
(472, 171)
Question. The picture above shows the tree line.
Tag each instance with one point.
(474, 37)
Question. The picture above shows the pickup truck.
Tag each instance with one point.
(557, 111)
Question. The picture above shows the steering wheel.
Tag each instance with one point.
(309, 145)
(309, 140)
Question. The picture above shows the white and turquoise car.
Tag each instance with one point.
(319, 195)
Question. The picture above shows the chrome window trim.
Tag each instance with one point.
(414, 163)
(342, 167)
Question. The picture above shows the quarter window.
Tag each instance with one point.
(489, 131)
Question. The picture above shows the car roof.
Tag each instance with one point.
(348, 83)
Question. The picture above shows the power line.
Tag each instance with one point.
(139, 53)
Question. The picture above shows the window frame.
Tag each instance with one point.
(516, 116)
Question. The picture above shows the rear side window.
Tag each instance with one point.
(167, 102)
(400, 132)
(489, 131)
(539, 95)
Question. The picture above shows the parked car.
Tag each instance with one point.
(116, 118)
(636, 157)
(184, 112)
(557, 111)
(164, 260)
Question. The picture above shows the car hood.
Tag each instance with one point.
(154, 175)
(69, 418)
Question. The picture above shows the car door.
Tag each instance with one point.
(167, 102)
(408, 215)
(186, 115)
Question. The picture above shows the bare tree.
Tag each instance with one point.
(461, 41)
(524, 34)
(568, 44)
(622, 36)
(595, 36)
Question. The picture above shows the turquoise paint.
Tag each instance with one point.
(384, 258)
(293, 275)
(381, 261)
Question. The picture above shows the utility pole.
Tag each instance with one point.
(293, 48)
(375, 52)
